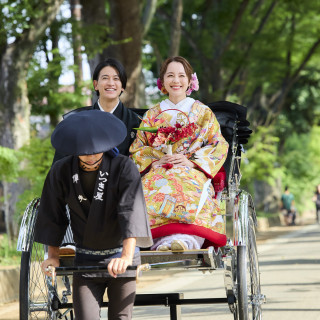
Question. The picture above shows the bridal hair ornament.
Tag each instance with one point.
(194, 84)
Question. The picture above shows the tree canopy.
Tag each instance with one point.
(263, 54)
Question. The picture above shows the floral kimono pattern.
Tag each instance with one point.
(182, 194)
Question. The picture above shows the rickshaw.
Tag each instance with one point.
(43, 297)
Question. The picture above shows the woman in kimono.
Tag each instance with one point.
(107, 212)
(109, 81)
(179, 149)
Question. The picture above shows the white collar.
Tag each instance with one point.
(184, 105)
(111, 110)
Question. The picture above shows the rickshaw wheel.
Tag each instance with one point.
(38, 298)
(248, 278)
(34, 296)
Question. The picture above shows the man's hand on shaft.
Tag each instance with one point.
(119, 265)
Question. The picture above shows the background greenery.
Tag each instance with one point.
(263, 54)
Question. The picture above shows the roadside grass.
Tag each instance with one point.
(263, 214)
(9, 256)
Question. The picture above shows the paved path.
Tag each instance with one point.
(290, 276)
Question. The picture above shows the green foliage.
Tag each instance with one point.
(17, 16)
(314, 152)
(46, 96)
(263, 214)
(266, 59)
(9, 164)
(298, 165)
(37, 158)
(302, 109)
(301, 163)
(259, 162)
(9, 256)
(265, 49)
(98, 43)
(31, 162)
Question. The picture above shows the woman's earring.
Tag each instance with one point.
(164, 90)
(161, 86)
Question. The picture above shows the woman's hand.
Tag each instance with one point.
(175, 159)
(161, 162)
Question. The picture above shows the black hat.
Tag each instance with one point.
(88, 132)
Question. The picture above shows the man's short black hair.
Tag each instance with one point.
(286, 188)
(114, 64)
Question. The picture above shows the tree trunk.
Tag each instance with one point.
(14, 122)
(14, 104)
(76, 42)
(7, 217)
(266, 197)
(125, 37)
(127, 29)
(53, 74)
(177, 10)
(94, 14)
(148, 13)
